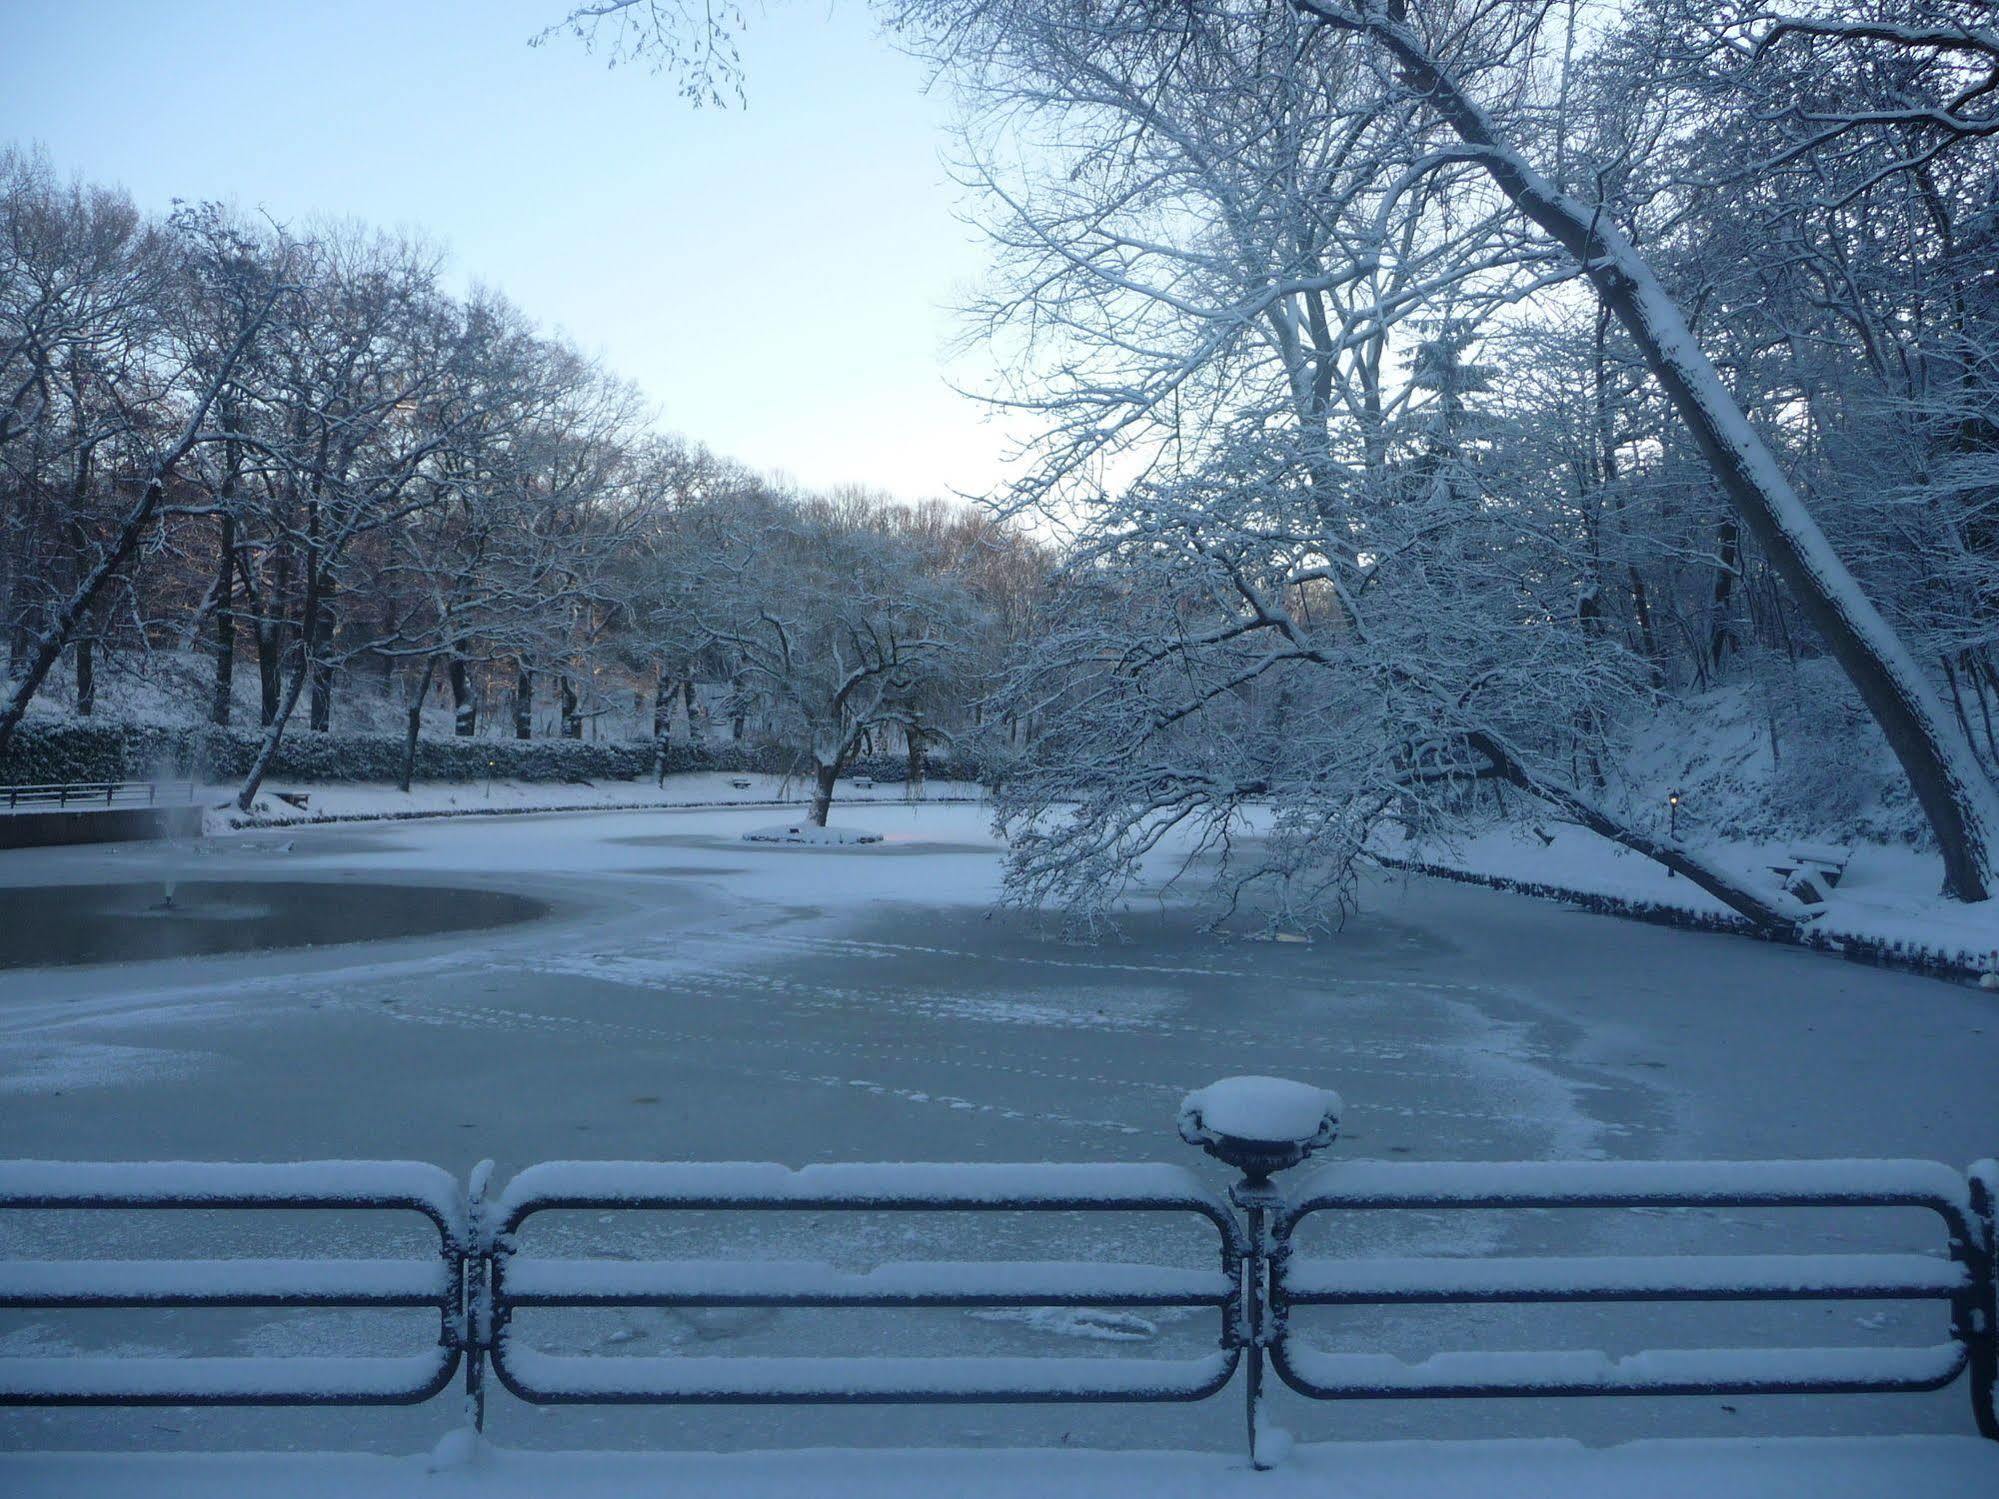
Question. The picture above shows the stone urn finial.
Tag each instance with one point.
(1260, 1124)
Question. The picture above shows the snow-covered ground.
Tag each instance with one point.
(1887, 899)
(1932, 1467)
(688, 995)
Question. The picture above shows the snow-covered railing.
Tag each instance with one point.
(435, 1280)
(519, 1281)
(1961, 1276)
(481, 1274)
(86, 794)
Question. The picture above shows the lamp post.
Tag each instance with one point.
(1672, 823)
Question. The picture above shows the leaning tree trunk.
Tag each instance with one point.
(1768, 910)
(123, 543)
(274, 732)
(60, 628)
(1962, 809)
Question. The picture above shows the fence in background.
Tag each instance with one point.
(84, 795)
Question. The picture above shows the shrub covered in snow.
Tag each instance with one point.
(103, 750)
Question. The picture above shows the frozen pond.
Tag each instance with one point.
(132, 922)
(688, 996)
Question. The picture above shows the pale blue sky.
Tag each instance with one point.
(778, 280)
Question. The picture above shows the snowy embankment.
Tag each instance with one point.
(1740, 1468)
(1886, 908)
(360, 802)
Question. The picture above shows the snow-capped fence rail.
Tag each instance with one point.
(1963, 1279)
(517, 1281)
(435, 1280)
(82, 794)
(479, 1276)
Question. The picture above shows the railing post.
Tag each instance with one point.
(1977, 1315)
(477, 1321)
(1259, 1125)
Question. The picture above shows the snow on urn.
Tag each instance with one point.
(1260, 1124)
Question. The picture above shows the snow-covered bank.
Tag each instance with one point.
(1885, 909)
(363, 802)
(1826, 1468)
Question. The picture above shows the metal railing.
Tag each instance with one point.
(517, 1281)
(84, 795)
(437, 1280)
(480, 1276)
(1963, 1278)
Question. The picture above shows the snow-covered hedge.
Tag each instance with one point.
(43, 753)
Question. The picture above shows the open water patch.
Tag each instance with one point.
(144, 921)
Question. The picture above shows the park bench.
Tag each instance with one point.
(477, 1268)
(741, 783)
(1811, 871)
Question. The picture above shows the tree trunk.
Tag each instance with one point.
(413, 725)
(270, 670)
(273, 641)
(58, 631)
(385, 660)
(523, 703)
(123, 543)
(572, 721)
(86, 678)
(1641, 609)
(1720, 634)
(662, 726)
(222, 688)
(1767, 910)
(320, 715)
(823, 778)
(464, 702)
(308, 627)
(1962, 809)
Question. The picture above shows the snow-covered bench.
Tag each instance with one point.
(1811, 871)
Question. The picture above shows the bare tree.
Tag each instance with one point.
(835, 622)
(133, 389)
